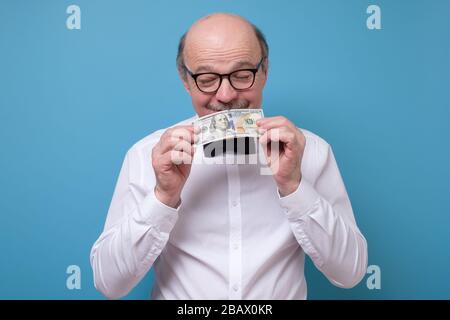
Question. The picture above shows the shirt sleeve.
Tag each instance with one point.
(321, 218)
(136, 231)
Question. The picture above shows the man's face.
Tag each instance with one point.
(223, 44)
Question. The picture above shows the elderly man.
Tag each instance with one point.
(226, 231)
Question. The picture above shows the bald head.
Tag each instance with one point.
(220, 36)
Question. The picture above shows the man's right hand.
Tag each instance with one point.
(172, 160)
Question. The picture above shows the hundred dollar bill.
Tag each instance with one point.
(227, 124)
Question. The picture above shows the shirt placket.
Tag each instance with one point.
(235, 239)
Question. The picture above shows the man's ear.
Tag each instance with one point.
(184, 80)
(266, 67)
(265, 70)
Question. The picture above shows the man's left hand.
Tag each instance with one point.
(286, 163)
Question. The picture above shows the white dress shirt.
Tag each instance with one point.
(232, 236)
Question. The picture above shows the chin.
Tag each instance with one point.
(204, 112)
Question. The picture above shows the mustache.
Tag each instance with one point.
(238, 104)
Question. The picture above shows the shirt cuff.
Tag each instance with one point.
(298, 203)
(157, 214)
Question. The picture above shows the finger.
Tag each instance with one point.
(189, 127)
(180, 157)
(177, 145)
(176, 137)
(262, 121)
(285, 135)
(263, 140)
(183, 132)
(172, 157)
(278, 122)
(274, 122)
(183, 145)
(271, 149)
(197, 129)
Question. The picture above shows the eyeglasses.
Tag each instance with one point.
(209, 82)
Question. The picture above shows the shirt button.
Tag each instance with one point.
(234, 203)
(236, 287)
(235, 246)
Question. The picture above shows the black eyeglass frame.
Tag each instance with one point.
(227, 75)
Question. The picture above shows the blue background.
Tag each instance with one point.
(73, 101)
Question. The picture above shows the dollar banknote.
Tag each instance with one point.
(234, 123)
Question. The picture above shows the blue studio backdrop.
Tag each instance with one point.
(72, 101)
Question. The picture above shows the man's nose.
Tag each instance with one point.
(226, 92)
